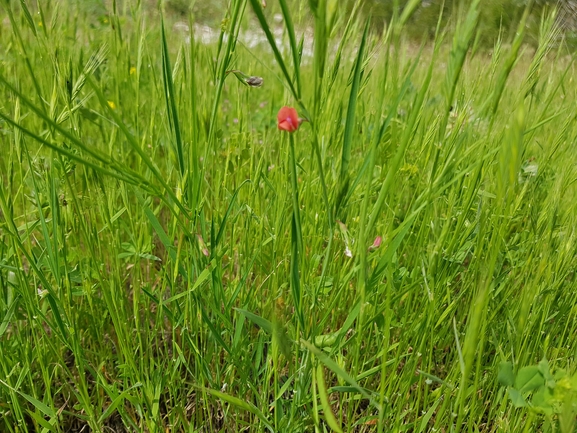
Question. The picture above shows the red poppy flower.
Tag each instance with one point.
(288, 119)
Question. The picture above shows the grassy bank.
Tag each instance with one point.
(172, 261)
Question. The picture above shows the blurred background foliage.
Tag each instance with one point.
(497, 16)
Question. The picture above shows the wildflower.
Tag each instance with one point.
(288, 119)
(132, 70)
(376, 243)
(202, 245)
(112, 105)
(345, 233)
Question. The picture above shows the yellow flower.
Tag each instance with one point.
(112, 105)
(132, 70)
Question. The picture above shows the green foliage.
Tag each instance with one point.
(498, 18)
(551, 394)
(170, 260)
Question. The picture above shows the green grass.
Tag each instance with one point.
(171, 261)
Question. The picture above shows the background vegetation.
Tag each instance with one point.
(496, 16)
(171, 261)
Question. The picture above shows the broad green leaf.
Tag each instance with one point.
(544, 369)
(529, 379)
(326, 340)
(517, 398)
(506, 377)
(542, 401)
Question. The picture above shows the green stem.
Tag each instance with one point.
(296, 234)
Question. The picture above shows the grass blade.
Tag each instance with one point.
(293, 44)
(350, 125)
(328, 411)
(170, 99)
(264, 324)
(47, 411)
(335, 368)
(257, 8)
(241, 404)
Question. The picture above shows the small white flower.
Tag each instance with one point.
(348, 252)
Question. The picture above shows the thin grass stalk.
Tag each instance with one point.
(134, 144)
(257, 8)
(293, 44)
(224, 64)
(194, 178)
(22, 45)
(510, 62)
(296, 236)
(170, 98)
(461, 43)
(350, 125)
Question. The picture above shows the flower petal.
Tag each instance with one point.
(288, 119)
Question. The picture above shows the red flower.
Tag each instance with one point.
(288, 119)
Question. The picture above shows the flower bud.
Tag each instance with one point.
(254, 81)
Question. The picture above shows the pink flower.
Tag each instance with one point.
(288, 119)
(202, 245)
(376, 243)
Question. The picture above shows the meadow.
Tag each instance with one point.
(180, 253)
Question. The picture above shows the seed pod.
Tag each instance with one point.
(254, 81)
(247, 80)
